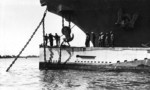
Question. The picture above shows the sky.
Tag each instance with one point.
(19, 19)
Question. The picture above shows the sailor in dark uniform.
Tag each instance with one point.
(93, 38)
(46, 39)
(57, 38)
(106, 40)
(101, 40)
(50, 39)
(111, 39)
(87, 41)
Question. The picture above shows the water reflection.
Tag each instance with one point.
(88, 80)
(56, 79)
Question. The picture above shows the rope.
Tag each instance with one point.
(44, 39)
(27, 42)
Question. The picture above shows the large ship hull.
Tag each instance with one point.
(94, 58)
(103, 16)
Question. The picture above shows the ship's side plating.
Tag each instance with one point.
(95, 55)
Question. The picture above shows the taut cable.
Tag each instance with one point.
(28, 41)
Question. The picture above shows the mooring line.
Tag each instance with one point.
(28, 41)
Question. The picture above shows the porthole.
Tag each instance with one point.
(135, 59)
(118, 61)
(125, 60)
(145, 58)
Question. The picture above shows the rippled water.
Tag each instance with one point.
(25, 75)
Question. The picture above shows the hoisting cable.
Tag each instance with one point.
(44, 39)
(73, 26)
(28, 41)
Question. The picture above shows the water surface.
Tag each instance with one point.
(25, 75)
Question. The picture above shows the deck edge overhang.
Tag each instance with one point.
(101, 16)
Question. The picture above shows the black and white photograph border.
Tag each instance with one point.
(74, 45)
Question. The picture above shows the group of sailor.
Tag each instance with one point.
(104, 39)
(51, 38)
